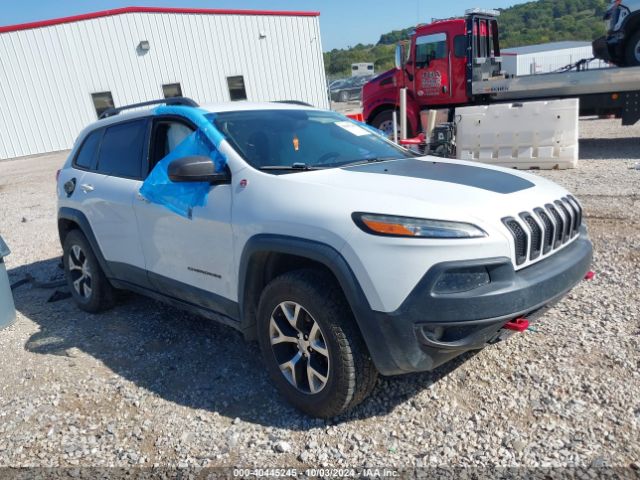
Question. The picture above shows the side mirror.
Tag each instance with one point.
(401, 55)
(197, 168)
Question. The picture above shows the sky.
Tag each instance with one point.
(343, 23)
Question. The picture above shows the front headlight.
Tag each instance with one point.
(393, 226)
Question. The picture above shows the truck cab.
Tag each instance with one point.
(437, 66)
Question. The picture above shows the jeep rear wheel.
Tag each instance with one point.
(311, 346)
(89, 287)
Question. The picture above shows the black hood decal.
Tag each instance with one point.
(478, 177)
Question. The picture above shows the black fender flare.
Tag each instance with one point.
(328, 256)
(80, 219)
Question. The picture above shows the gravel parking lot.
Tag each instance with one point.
(145, 384)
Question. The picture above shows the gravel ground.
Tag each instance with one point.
(145, 384)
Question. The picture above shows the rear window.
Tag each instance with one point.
(87, 153)
(121, 150)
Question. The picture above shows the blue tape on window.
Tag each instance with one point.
(181, 197)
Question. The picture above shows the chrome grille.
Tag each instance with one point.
(548, 230)
(544, 229)
(520, 239)
(535, 236)
(558, 238)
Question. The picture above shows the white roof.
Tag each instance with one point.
(545, 47)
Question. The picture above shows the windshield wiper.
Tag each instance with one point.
(295, 166)
(368, 160)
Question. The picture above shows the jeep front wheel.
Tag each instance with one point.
(312, 348)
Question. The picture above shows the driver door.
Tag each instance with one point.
(432, 72)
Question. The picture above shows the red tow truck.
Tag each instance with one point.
(456, 62)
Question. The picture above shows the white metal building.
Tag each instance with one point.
(546, 57)
(57, 75)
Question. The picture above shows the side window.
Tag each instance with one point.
(460, 46)
(121, 149)
(171, 90)
(87, 154)
(167, 135)
(236, 88)
(431, 47)
(102, 101)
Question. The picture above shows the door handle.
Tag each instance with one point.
(86, 187)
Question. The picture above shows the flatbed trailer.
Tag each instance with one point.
(601, 91)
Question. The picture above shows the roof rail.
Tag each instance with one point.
(187, 102)
(294, 102)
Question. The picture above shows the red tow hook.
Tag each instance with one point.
(517, 325)
(590, 275)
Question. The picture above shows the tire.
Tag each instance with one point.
(384, 121)
(89, 287)
(349, 374)
(344, 96)
(632, 51)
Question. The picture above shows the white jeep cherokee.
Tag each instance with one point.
(341, 253)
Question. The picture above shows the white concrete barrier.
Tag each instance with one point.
(542, 135)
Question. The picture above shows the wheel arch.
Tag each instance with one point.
(380, 108)
(412, 114)
(72, 219)
(265, 256)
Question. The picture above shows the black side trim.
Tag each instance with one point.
(195, 296)
(335, 262)
(178, 303)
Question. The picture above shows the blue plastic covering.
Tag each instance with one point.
(181, 197)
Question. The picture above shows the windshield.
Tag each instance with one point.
(309, 138)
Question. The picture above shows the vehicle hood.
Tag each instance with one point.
(436, 188)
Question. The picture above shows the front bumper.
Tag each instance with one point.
(430, 329)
